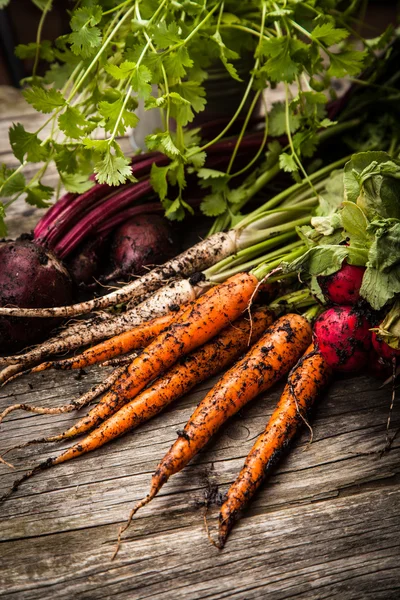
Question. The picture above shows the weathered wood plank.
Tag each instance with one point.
(315, 498)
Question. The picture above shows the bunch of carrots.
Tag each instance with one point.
(160, 360)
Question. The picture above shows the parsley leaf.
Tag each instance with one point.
(213, 205)
(85, 37)
(328, 35)
(114, 112)
(38, 195)
(349, 62)
(76, 182)
(166, 35)
(158, 179)
(140, 78)
(12, 186)
(113, 169)
(43, 100)
(26, 144)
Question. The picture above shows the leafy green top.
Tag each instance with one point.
(363, 229)
(158, 52)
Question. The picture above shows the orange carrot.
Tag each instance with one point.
(204, 362)
(206, 317)
(305, 382)
(268, 361)
(138, 337)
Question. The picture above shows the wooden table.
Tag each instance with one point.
(323, 526)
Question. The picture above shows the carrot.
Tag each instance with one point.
(204, 362)
(160, 303)
(211, 313)
(137, 337)
(305, 382)
(272, 357)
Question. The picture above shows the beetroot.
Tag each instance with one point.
(29, 277)
(142, 241)
(343, 337)
(87, 264)
(342, 287)
(383, 349)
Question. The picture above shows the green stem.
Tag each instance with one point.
(242, 131)
(297, 187)
(249, 252)
(271, 258)
(312, 313)
(111, 10)
(39, 35)
(292, 301)
(253, 237)
(263, 270)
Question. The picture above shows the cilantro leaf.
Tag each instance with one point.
(213, 205)
(140, 78)
(348, 62)
(176, 62)
(38, 195)
(24, 51)
(85, 37)
(26, 144)
(76, 182)
(162, 141)
(282, 63)
(112, 112)
(72, 123)
(288, 163)
(194, 96)
(158, 179)
(43, 100)
(277, 120)
(327, 34)
(113, 169)
(166, 35)
(225, 53)
(15, 185)
(85, 41)
(3, 227)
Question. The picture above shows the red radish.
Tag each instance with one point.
(343, 287)
(383, 349)
(343, 336)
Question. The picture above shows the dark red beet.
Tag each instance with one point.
(142, 241)
(87, 264)
(343, 337)
(383, 349)
(342, 287)
(29, 277)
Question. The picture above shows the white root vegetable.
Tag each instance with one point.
(196, 259)
(176, 294)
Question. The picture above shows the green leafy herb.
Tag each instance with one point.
(161, 53)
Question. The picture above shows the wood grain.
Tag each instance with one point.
(324, 526)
